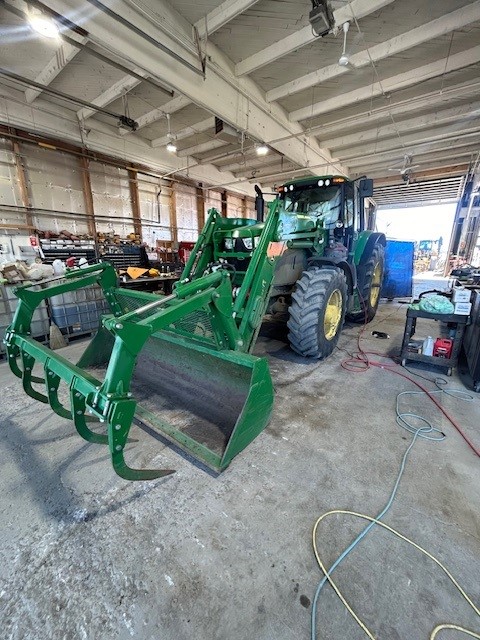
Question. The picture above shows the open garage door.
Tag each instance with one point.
(439, 190)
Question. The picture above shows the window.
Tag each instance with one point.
(349, 205)
(323, 202)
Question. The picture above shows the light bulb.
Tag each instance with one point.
(43, 25)
(262, 150)
(343, 61)
(172, 148)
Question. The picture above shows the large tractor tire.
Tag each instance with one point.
(370, 292)
(317, 312)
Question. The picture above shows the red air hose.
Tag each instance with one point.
(359, 363)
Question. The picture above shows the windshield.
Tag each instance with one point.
(318, 201)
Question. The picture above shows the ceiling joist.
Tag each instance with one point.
(154, 115)
(460, 115)
(420, 103)
(186, 132)
(201, 148)
(357, 8)
(120, 88)
(434, 29)
(63, 55)
(221, 15)
(394, 83)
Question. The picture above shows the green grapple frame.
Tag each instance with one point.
(200, 386)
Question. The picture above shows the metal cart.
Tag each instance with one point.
(456, 326)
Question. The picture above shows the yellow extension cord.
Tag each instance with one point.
(439, 627)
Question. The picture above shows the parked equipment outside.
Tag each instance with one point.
(183, 363)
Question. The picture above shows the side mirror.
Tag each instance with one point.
(365, 188)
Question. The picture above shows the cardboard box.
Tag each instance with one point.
(463, 308)
(12, 274)
(460, 294)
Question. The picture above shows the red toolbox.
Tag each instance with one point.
(442, 348)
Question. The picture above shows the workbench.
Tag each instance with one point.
(164, 282)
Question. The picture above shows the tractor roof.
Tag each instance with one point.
(311, 180)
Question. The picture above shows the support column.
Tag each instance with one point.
(244, 207)
(224, 203)
(173, 216)
(88, 196)
(135, 199)
(22, 181)
(200, 208)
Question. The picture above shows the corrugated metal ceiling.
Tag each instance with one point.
(266, 23)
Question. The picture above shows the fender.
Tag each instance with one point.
(349, 270)
(363, 251)
(365, 244)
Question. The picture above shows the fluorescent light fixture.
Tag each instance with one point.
(43, 25)
(171, 147)
(262, 150)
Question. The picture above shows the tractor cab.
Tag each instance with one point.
(337, 208)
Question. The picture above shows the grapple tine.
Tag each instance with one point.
(52, 382)
(120, 420)
(13, 353)
(128, 473)
(28, 362)
(77, 401)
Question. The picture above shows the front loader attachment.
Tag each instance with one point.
(176, 363)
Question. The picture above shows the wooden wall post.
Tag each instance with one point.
(173, 215)
(88, 196)
(200, 208)
(244, 207)
(22, 181)
(224, 203)
(135, 198)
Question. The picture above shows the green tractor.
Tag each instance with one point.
(182, 364)
(333, 263)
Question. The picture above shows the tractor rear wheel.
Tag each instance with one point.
(317, 312)
(370, 292)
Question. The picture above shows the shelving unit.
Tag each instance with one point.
(121, 255)
(63, 249)
(456, 323)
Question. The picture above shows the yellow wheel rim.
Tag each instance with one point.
(333, 314)
(375, 286)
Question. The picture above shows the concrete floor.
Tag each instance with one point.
(86, 555)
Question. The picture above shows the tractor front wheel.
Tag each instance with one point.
(317, 312)
(370, 292)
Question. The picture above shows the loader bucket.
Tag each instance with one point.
(168, 362)
(210, 404)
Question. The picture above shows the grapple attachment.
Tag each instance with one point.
(175, 363)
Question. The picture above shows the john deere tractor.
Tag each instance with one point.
(333, 263)
(182, 364)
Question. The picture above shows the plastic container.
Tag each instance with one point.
(428, 346)
(398, 278)
(443, 348)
